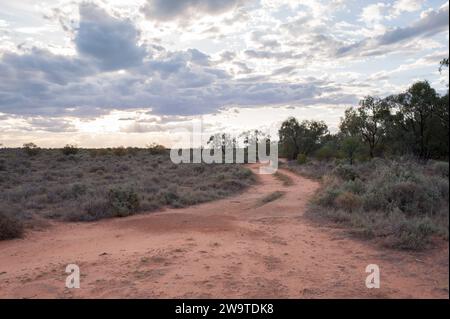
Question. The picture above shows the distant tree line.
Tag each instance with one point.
(414, 122)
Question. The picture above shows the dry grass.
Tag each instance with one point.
(84, 185)
(403, 204)
(285, 179)
(272, 197)
(10, 227)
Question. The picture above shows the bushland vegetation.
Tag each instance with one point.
(75, 184)
(384, 173)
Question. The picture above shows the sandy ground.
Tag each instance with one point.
(232, 248)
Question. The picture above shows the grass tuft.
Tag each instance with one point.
(285, 179)
(272, 197)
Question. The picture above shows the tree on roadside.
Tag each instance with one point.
(301, 138)
(350, 146)
(222, 141)
(416, 110)
(367, 121)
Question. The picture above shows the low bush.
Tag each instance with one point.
(412, 234)
(31, 149)
(120, 151)
(156, 149)
(10, 227)
(346, 172)
(69, 150)
(326, 153)
(348, 201)
(123, 202)
(302, 159)
(403, 204)
(116, 203)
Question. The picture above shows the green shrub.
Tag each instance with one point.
(78, 190)
(346, 172)
(302, 159)
(92, 210)
(123, 202)
(327, 197)
(117, 203)
(325, 153)
(10, 227)
(69, 150)
(120, 151)
(233, 185)
(356, 186)
(402, 203)
(348, 201)
(31, 149)
(99, 152)
(132, 151)
(412, 234)
(406, 189)
(156, 149)
(171, 197)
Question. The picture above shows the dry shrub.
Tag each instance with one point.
(48, 187)
(348, 201)
(402, 203)
(120, 151)
(70, 150)
(10, 227)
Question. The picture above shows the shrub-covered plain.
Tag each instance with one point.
(403, 203)
(85, 185)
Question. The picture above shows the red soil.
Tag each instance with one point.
(232, 248)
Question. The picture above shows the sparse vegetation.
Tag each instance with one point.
(94, 184)
(313, 169)
(31, 149)
(69, 149)
(272, 197)
(302, 159)
(10, 227)
(285, 179)
(382, 173)
(401, 203)
(156, 149)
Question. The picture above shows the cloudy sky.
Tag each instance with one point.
(131, 72)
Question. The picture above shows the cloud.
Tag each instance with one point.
(54, 125)
(374, 13)
(284, 70)
(164, 10)
(401, 6)
(44, 65)
(431, 23)
(110, 69)
(111, 42)
(267, 54)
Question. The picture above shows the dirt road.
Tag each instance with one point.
(232, 248)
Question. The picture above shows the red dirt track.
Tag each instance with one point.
(232, 248)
